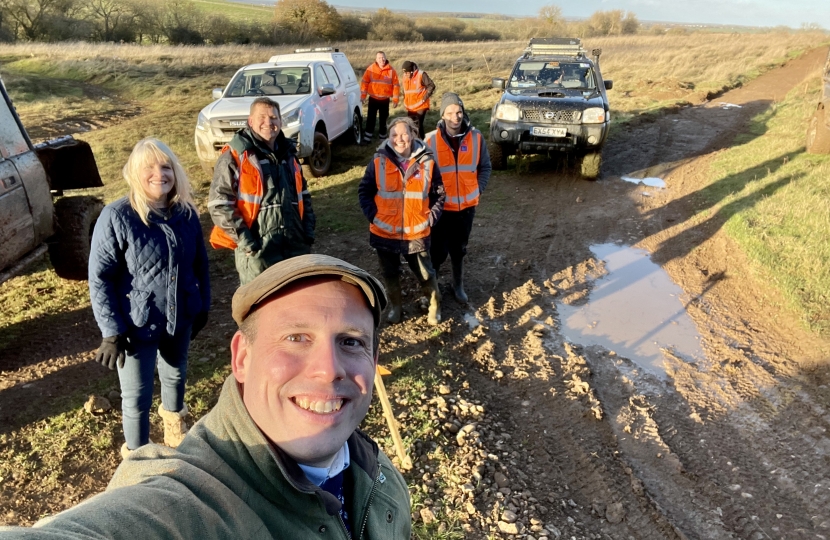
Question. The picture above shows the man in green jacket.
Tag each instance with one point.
(259, 200)
(280, 455)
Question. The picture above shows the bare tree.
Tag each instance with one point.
(309, 20)
(110, 17)
(33, 17)
(552, 19)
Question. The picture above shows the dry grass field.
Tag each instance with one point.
(111, 96)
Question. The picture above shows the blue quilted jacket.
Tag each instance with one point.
(144, 280)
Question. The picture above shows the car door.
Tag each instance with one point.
(325, 104)
(340, 116)
(17, 232)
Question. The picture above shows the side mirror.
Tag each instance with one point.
(501, 84)
(609, 85)
(217, 93)
(326, 89)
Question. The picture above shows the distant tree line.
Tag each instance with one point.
(292, 21)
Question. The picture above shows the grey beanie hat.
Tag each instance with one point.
(451, 98)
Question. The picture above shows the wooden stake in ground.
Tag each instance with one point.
(404, 460)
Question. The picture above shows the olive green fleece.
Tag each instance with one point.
(226, 481)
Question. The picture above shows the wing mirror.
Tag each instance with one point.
(501, 84)
(326, 89)
(217, 93)
(609, 85)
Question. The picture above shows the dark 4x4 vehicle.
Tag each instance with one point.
(818, 132)
(554, 100)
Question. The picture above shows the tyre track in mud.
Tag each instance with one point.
(735, 448)
(581, 449)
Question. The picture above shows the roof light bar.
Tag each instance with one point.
(317, 49)
(555, 46)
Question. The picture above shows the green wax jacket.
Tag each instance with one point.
(226, 481)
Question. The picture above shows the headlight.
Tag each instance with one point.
(292, 119)
(594, 115)
(203, 123)
(507, 112)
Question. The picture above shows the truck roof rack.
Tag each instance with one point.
(554, 46)
(317, 49)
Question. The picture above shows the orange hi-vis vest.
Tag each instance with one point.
(460, 175)
(380, 83)
(415, 93)
(250, 193)
(402, 200)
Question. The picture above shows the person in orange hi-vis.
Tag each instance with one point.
(417, 89)
(462, 157)
(379, 85)
(402, 196)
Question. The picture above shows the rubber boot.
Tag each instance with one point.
(393, 291)
(431, 291)
(458, 281)
(175, 427)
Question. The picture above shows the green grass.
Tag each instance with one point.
(235, 11)
(773, 198)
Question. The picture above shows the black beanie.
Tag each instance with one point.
(408, 66)
(451, 98)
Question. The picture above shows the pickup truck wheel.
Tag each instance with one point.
(357, 127)
(818, 134)
(590, 164)
(498, 156)
(320, 159)
(69, 248)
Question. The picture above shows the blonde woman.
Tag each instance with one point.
(150, 291)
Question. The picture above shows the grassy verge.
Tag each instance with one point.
(774, 197)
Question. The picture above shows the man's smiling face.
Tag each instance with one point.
(306, 376)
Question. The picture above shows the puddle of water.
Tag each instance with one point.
(471, 320)
(634, 310)
(650, 181)
(725, 105)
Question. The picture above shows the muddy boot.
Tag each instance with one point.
(431, 291)
(174, 426)
(458, 282)
(125, 451)
(393, 291)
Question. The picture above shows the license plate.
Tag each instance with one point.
(549, 132)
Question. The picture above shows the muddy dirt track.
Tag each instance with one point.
(587, 443)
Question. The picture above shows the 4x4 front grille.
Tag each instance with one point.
(551, 117)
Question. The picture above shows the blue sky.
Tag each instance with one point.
(744, 12)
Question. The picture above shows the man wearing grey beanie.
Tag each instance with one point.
(462, 157)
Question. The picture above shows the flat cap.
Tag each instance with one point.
(247, 297)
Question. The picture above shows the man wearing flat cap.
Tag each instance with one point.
(280, 455)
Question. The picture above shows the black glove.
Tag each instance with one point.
(199, 322)
(112, 351)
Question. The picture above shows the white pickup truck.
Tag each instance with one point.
(319, 98)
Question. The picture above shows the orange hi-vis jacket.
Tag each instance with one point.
(250, 192)
(415, 96)
(380, 83)
(460, 175)
(402, 200)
